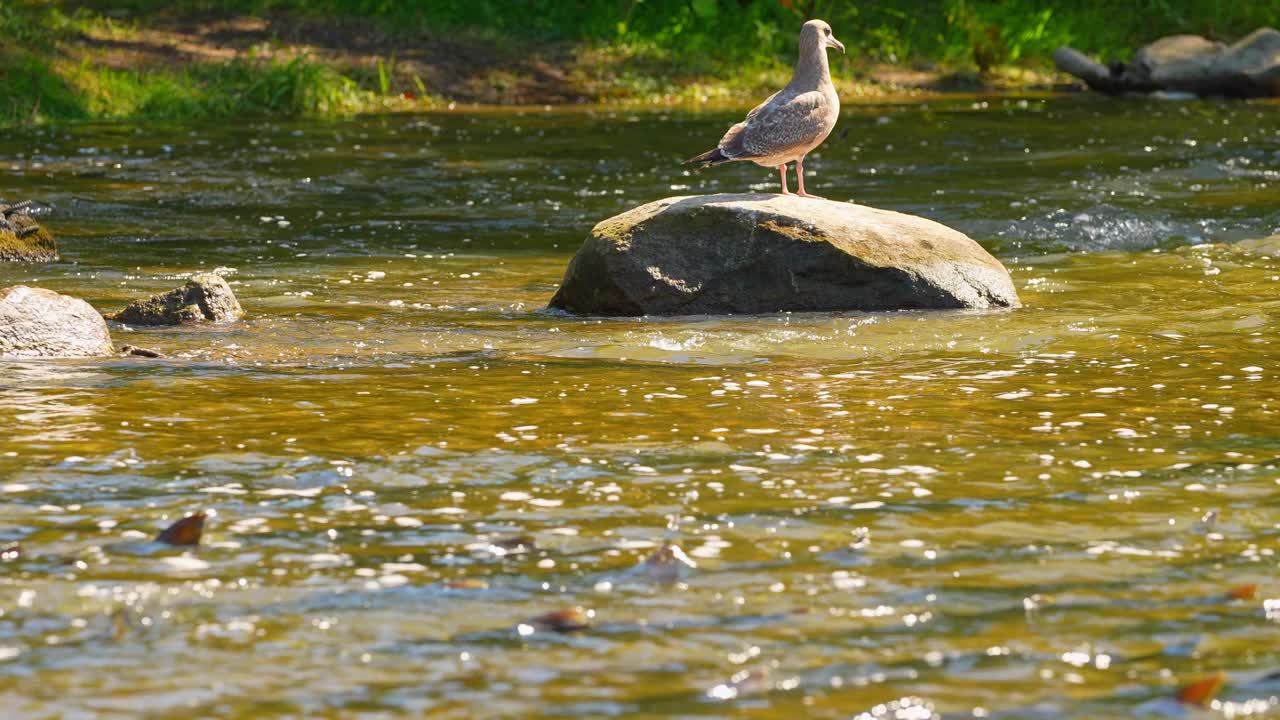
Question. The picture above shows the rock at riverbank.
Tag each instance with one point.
(1269, 246)
(22, 239)
(204, 298)
(35, 322)
(759, 253)
(1189, 64)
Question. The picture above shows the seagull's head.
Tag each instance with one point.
(817, 34)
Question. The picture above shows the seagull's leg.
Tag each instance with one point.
(800, 179)
(782, 170)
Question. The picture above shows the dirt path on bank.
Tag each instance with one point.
(446, 67)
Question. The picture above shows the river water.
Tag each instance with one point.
(1030, 513)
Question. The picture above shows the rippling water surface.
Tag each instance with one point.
(1029, 514)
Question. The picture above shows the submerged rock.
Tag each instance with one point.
(205, 298)
(1269, 246)
(667, 565)
(758, 253)
(35, 322)
(185, 533)
(22, 239)
(135, 351)
(1186, 64)
(567, 620)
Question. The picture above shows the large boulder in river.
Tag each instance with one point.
(35, 322)
(22, 239)
(205, 298)
(758, 253)
(1187, 63)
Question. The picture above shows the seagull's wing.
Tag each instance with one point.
(730, 145)
(778, 125)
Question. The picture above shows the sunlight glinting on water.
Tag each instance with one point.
(422, 485)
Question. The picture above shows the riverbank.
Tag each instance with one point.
(179, 61)
(91, 66)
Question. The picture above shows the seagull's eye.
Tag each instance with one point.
(827, 31)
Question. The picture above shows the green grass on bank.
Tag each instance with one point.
(34, 91)
(39, 82)
(626, 48)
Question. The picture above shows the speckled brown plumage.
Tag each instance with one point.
(794, 120)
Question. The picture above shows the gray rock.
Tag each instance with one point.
(1187, 64)
(35, 322)
(1269, 246)
(758, 253)
(205, 298)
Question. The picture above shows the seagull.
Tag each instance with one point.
(794, 120)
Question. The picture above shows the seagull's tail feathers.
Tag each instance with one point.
(709, 158)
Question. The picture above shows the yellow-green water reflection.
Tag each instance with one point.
(1036, 513)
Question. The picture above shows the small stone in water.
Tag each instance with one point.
(1243, 592)
(1202, 691)
(185, 532)
(10, 552)
(567, 620)
(130, 350)
(519, 543)
(668, 563)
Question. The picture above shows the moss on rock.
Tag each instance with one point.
(38, 246)
(204, 298)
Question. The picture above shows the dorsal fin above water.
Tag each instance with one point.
(185, 532)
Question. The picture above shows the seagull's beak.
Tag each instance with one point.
(832, 42)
